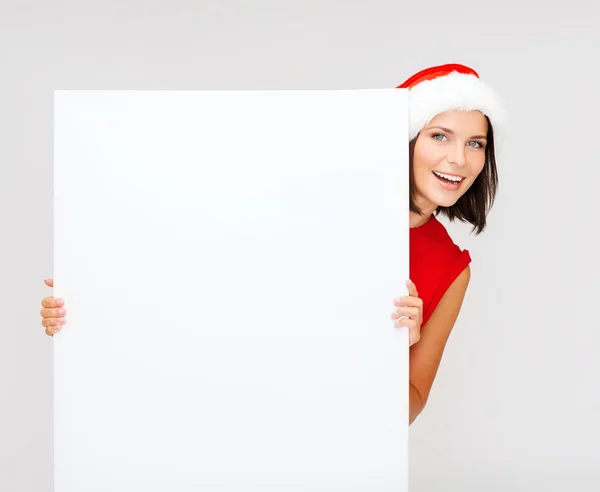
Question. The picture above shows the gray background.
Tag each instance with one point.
(515, 403)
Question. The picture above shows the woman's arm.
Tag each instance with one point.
(426, 354)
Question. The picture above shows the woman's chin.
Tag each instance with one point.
(445, 200)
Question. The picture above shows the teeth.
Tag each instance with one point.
(456, 179)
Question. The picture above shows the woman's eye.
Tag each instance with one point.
(438, 136)
(477, 144)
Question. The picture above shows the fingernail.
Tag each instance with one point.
(62, 311)
(60, 302)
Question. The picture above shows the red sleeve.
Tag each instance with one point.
(456, 268)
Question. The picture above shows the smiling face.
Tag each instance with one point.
(449, 154)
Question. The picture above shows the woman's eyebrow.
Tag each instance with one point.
(447, 130)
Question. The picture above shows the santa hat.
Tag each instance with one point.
(447, 87)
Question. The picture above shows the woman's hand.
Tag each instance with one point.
(53, 312)
(409, 313)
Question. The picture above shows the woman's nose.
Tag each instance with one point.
(458, 156)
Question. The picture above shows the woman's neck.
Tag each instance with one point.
(416, 220)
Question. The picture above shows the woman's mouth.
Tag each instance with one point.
(449, 181)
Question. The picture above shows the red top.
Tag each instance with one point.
(435, 262)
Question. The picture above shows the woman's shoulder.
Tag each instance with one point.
(435, 262)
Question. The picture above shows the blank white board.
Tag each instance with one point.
(229, 261)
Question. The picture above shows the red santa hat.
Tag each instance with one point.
(447, 87)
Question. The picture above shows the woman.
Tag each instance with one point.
(452, 172)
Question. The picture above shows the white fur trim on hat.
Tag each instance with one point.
(449, 92)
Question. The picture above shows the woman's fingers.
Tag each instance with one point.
(52, 302)
(53, 324)
(411, 312)
(53, 321)
(53, 312)
(410, 305)
(409, 301)
(414, 332)
(51, 330)
(412, 288)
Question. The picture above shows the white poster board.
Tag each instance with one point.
(229, 262)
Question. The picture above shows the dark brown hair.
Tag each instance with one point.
(476, 203)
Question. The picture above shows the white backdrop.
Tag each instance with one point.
(249, 245)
